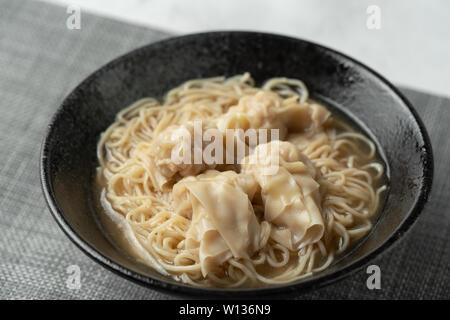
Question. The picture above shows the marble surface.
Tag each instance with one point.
(411, 48)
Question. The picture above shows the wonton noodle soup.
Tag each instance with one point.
(229, 223)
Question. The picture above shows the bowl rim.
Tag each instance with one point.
(185, 290)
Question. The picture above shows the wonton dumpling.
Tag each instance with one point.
(255, 112)
(290, 195)
(159, 153)
(222, 219)
(308, 117)
(267, 110)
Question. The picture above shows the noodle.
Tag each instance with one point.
(327, 171)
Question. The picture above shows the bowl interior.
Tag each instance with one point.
(69, 151)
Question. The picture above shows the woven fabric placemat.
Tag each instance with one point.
(41, 61)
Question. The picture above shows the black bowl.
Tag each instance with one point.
(68, 159)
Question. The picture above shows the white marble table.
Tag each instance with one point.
(411, 48)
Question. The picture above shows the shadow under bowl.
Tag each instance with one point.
(68, 159)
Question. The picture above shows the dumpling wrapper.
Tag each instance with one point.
(223, 221)
(303, 117)
(291, 195)
(173, 140)
(256, 112)
(267, 110)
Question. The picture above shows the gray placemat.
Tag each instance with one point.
(40, 62)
